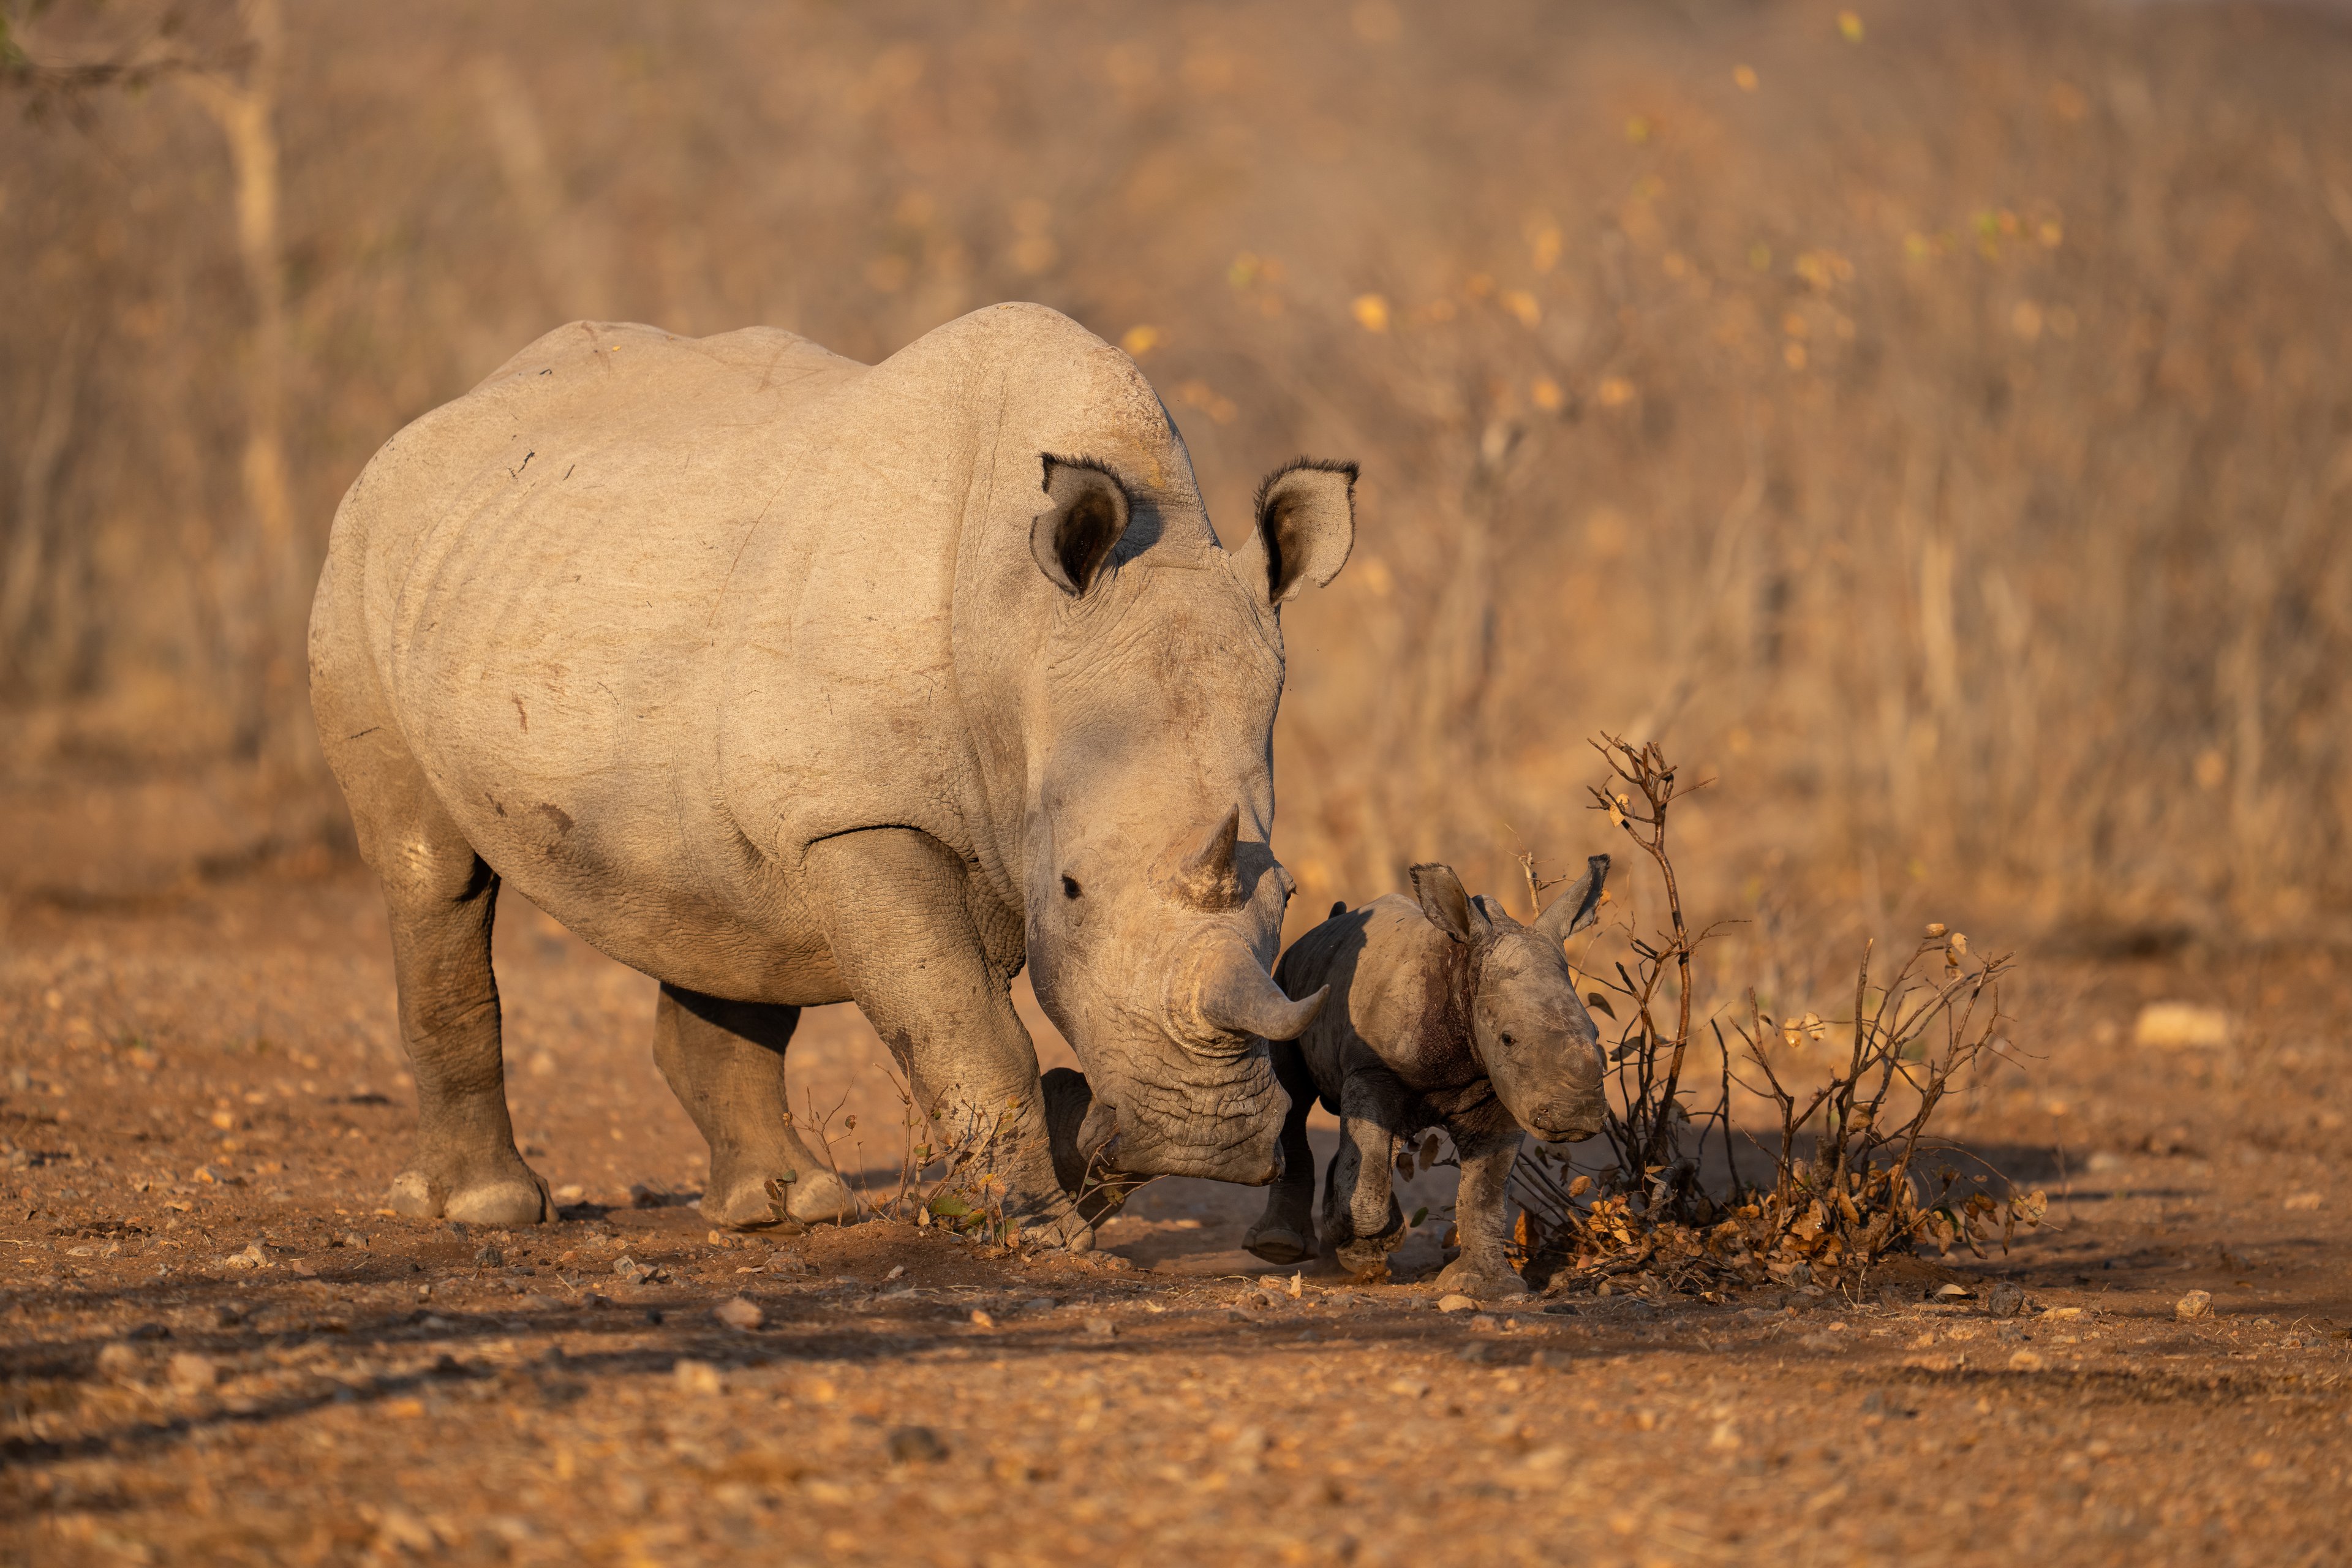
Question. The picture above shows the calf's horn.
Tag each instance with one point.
(1238, 997)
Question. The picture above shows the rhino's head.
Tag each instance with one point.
(1154, 905)
(1527, 1026)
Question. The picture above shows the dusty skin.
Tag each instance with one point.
(219, 1348)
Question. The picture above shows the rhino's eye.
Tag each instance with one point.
(1507, 1037)
(1070, 888)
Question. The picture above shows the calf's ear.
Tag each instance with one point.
(1073, 538)
(1306, 524)
(1580, 906)
(1443, 902)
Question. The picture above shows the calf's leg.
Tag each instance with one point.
(1361, 1221)
(725, 1062)
(1482, 1269)
(1286, 1232)
(893, 902)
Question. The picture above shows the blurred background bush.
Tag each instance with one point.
(1935, 420)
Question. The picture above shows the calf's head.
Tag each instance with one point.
(1153, 903)
(1527, 1026)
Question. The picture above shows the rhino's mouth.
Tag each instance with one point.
(1570, 1123)
(1223, 1125)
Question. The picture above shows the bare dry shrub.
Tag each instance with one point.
(1847, 1188)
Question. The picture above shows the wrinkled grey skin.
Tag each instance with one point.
(1444, 1012)
(790, 680)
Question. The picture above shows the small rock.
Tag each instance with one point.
(2194, 1305)
(2301, 1201)
(1410, 1387)
(1457, 1304)
(916, 1444)
(737, 1313)
(1115, 1264)
(2004, 1300)
(980, 1320)
(2026, 1361)
(1038, 1304)
(489, 1255)
(119, 1359)
(192, 1373)
(897, 1271)
(2181, 1026)
(694, 1376)
(1101, 1328)
(1952, 1293)
(1484, 1322)
(570, 1193)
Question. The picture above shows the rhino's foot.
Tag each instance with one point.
(759, 1194)
(820, 1197)
(749, 1202)
(1067, 1232)
(1278, 1243)
(1482, 1280)
(513, 1195)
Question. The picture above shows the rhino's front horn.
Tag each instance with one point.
(1207, 878)
(1239, 998)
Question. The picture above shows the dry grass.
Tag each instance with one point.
(1941, 435)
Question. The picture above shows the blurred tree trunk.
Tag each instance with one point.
(30, 559)
(274, 705)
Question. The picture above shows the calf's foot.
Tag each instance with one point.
(1366, 1262)
(1278, 1243)
(1482, 1278)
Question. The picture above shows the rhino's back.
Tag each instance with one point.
(651, 612)
(526, 575)
(1392, 976)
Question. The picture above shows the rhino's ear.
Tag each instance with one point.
(1580, 906)
(1074, 537)
(1306, 526)
(1444, 902)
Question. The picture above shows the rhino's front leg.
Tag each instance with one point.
(725, 1062)
(893, 904)
(1487, 1153)
(1362, 1222)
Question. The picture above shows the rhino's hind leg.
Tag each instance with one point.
(1285, 1233)
(893, 904)
(442, 898)
(725, 1062)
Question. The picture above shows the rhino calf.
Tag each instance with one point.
(1444, 1012)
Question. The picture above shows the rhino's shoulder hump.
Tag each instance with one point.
(1019, 345)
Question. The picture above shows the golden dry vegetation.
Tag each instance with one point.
(1933, 424)
(1938, 428)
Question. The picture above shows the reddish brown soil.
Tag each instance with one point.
(204, 1101)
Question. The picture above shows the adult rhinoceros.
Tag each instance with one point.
(788, 680)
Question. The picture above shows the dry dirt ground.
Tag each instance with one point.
(217, 1348)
